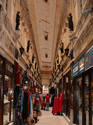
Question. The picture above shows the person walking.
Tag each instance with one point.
(47, 102)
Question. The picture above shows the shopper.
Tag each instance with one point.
(43, 105)
(47, 102)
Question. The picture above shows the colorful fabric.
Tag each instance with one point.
(56, 105)
(60, 102)
(31, 107)
(47, 99)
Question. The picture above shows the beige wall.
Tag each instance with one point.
(83, 30)
(11, 38)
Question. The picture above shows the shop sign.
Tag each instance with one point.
(75, 70)
(81, 65)
(45, 89)
(89, 59)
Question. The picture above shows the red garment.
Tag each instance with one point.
(43, 104)
(36, 101)
(47, 99)
(60, 102)
(56, 105)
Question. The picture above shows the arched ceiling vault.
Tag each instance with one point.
(45, 16)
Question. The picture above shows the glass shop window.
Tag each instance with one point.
(8, 100)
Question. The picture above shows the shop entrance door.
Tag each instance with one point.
(8, 101)
(80, 99)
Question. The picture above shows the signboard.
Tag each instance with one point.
(81, 65)
(89, 59)
(45, 89)
(75, 70)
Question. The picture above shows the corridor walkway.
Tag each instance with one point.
(48, 119)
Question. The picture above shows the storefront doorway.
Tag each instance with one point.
(6, 91)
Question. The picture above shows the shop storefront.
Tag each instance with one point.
(1, 89)
(6, 91)
(89, 77)
(82, 86)
(67, 94)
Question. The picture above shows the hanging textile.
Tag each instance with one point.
(25, 112)
(16, 94)
(19, 105)
(60, 102)
(56, 106)
(31, 107)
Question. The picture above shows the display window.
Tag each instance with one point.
(8, 101)
(8, 93)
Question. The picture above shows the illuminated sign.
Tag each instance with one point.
(75, 69)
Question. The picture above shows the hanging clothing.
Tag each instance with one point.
(16, 94)
(47, 99)
(31, 107)
(60, 102)
(56, 106)
(19, 105)
(47, 102)
(25, 112)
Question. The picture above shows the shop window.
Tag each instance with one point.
(16, 53)
(8, 100)
(71, 54)
(28, 45)
(46, 55)
(21, 49)
(33, 58)
(61, 47)
(46, 37)
(30, 65)
(17, 20)
(70, 22)
(66, 51)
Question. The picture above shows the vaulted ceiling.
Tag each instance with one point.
(45, 16)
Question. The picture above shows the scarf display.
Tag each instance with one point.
(23, 103)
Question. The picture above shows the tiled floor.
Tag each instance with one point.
(48, 119)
